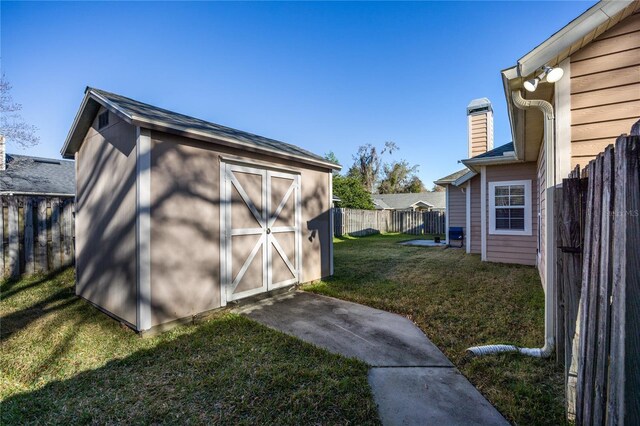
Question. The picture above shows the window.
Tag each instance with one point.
(510, 207)
(103, 119)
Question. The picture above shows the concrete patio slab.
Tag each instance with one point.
(413, 383)
(377, 337)
(429, 396)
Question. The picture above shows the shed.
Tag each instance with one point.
(177, 216)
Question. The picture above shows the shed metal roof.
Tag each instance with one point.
(36, 175)
(149, 116)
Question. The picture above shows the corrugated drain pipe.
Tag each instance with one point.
(549, 343)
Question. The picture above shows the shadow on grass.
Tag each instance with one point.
(11, 286)
(19, 320)
(228, 370)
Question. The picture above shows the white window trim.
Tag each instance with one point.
(527, 208)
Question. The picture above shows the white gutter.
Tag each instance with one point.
(548, 139)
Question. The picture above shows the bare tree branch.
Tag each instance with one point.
(12, 125)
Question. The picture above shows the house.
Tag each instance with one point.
(36, 176)
(567, 100)
(177, 216)
(422, 201)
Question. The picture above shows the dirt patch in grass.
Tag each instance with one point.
(64, 362)
(459, 301)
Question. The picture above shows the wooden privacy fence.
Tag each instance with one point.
(366, 222)
(36, 234)
(598, 286)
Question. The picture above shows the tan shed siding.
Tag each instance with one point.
(605, 89)
(457, 207)
(542, 210)
(105, 218)
(476, 231)
(514, 248)
(478, 134)
(185, 223)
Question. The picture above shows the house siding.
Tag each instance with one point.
(605, 89)
(185, 229)
(476, 230)
(514, 248)
(105, 218)
(457, 207)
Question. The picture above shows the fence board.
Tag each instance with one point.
(27, 209)
(2, 236)
(41, 248)
(67, 234)
(56, 260)
(13, 236)
(603, 293)
(624, 372)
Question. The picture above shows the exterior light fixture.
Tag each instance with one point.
(553, 74)
(531, 85)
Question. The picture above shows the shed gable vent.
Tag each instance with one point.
(103, 119)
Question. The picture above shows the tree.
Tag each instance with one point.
(400, 177)
(438, 188)
(331, 156)
(12, 126)
(396, 177)
(366, 164)
(415, 186)
(351, 193)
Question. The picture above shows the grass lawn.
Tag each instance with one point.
(64, 362)
(459, 301)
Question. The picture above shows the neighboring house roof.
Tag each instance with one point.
(452, 177)
(432, 199)
(35, 175)
(381, 205)
(149, 116)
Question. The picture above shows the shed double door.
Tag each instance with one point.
(261, 223)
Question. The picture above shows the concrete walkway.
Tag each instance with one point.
(412, 381)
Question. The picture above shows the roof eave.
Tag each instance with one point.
(76, 135)
(233, 143)
(562, 40)
(464, 178)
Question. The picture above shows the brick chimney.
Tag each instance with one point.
(3, 154)
(480, 126)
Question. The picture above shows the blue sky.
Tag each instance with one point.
(324, 76)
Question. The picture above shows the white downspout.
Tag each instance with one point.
(549, 336)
